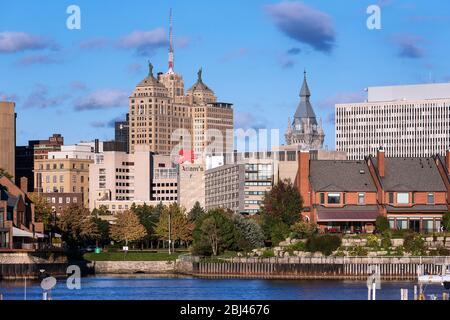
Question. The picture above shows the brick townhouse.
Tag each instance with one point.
(18, 229)
(348, 196)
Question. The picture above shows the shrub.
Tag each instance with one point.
(446, 221)
(382, 224)
(372, 241)
(268, 254)
(299, 246)
(358, 251)
(414, 244)
(305, 229)
(386, 242)
(440, 252)
(327, 244)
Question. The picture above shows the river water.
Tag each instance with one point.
(141, 287)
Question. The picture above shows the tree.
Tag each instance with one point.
(103, 229)
(77, 226)
(382, 224)
(304, 229)
(127, 228)
(196, 212)
(214, 233)
(281, 209)
(180, 227)
(42, 210)
(283, 202)
(101, 211)
(4, 173)
(446, 221)
(249, 234)
(148, 217)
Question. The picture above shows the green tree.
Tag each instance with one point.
(148, 216)
(103, 228)
(180, 227)
(281, 209)
(249, 234)
(382, 224)
(127, 228)
(77, 226)
(101, 211)
(196, 212)
(446, 221)
(214, 233)
(42, 210)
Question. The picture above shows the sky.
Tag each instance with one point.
(253, 53)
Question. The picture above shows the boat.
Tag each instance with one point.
(443, 278)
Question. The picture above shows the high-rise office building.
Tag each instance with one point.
(406, 121)
(159, 106)
(7, 137)
(122, 134)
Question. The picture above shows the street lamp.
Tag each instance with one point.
(170, 231)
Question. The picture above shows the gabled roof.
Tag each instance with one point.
(411, 174)
(341, 176)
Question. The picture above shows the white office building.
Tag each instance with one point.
(407, 121)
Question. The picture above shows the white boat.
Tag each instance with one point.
(443, 279)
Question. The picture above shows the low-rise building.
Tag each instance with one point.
(65, 171)
(18, 229)
(348, 196)
(414, 195)
(118, 179)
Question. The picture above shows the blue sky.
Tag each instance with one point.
(253, 54)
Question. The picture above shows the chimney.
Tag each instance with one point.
(24, 184)
(303, 177)
(380, 158)
(447, 161)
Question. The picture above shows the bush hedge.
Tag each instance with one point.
(326, 244)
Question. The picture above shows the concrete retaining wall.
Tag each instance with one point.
(130, 267)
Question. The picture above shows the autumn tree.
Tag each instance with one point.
(101, 211)
(127, 228)
(42, 210)
(180, 227)
(77, 226)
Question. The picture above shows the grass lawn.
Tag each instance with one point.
(131, 256)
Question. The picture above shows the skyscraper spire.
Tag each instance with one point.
(171, 60)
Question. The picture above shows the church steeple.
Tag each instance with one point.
(305, 131)
(304, 92)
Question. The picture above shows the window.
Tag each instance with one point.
(402, 224)
(391, 197)
(61, 179)
(74, 179)
(402, 198)
(431, 198)
(361, 199)
(334, 198)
